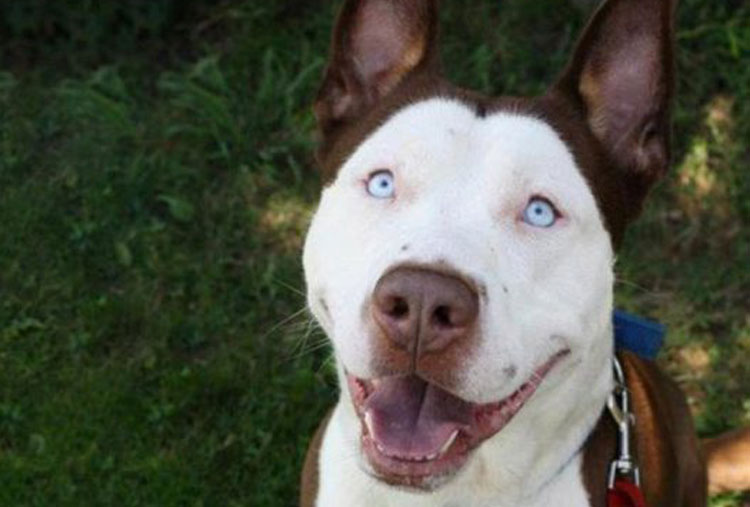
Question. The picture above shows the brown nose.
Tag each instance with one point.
(421, 310)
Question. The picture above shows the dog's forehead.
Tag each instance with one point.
(450, 125)
(548, 120)
(443, 140)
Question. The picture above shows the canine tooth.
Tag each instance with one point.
(448, 443)
(369, 423)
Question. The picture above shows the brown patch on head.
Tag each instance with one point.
(376, 45)
(620, 81)
(601, 176)
(566, 120)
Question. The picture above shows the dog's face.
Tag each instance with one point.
(461, 256)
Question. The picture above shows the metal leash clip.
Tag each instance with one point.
(618, 404)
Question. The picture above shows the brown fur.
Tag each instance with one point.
(728, 459)
(622, 77)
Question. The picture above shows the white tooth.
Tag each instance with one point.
(431, 456)
(448, 443)
(369, 423)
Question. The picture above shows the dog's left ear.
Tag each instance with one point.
(377, 45)
(621, 77)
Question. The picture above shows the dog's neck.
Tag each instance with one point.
(534, 461)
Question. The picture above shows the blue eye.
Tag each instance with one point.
(381, 185)
(540, 213)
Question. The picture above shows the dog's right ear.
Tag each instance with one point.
(621, 78)
(376, 45)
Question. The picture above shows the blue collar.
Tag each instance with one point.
(636, 334)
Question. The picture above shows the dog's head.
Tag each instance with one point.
(461, 256)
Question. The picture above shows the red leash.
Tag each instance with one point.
(625, 493)
(624, 476)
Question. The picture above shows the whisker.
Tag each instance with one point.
(310, 328)
(292, 288)
(323, 343)
(629, 283)
(284, 321)
(326, 363)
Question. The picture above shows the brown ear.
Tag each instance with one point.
(376, 44)
(621, 76)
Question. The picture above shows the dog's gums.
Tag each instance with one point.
(416, 434)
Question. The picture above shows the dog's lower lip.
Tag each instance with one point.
(414, 470)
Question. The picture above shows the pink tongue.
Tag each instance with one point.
(411, 419)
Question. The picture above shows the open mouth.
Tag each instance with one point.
(418, 435)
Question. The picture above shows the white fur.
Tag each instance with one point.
(462, 183)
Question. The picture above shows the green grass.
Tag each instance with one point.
(156, 180)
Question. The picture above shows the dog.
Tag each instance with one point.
(461, 262)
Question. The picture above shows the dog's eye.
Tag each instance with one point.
(540, 213)
(381, 185)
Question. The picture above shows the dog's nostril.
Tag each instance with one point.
(442, 316)
(419, 309)
(399, 308)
